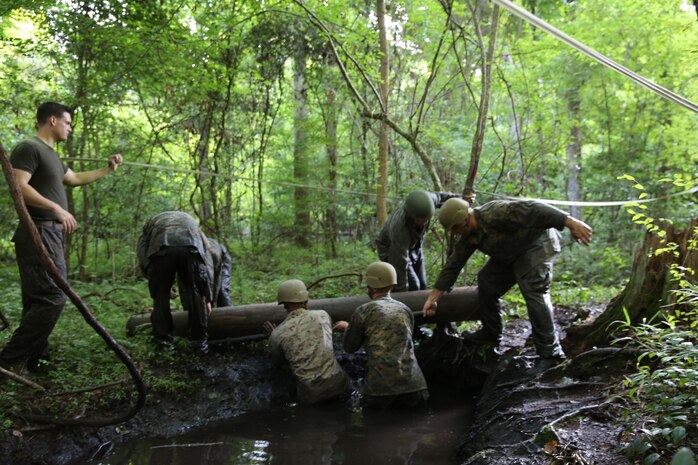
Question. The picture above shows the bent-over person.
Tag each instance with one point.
(522, 241)
(173, 246)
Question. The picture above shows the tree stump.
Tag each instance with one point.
(649, 292)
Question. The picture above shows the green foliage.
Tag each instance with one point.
(667, 378)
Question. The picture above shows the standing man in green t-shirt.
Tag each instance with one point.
(41, 175)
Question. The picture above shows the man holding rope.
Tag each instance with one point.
(41, 175)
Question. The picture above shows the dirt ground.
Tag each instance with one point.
(528, 411)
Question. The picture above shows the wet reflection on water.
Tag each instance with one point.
(326, 435)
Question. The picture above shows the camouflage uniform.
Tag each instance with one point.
(384, 328)
(522, 245)
(173, 245)
(400, 244)
(304, 339)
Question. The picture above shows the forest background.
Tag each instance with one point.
(291, 128)
(266, 119)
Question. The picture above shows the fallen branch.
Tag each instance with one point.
(21, 379)
(551, 426)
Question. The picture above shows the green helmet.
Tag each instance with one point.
(380, 275)
(453, 212)
(293, 291)
(419, 205)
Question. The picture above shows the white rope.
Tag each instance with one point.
(539, 23)
(371, 194)
(600, 204)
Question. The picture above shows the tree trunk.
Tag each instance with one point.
(381, 207)
(331, 147)
(648, 293)
(574, 152)
(300, 151)
(478, 139)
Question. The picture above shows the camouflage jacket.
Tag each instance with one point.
(505, 230)
(400, 241)
(383, 327)
(175, 228)
(304, 340)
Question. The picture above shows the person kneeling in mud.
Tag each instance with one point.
(304, 340)
(384, 328)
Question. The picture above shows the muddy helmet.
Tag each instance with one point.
(292, 291)
(380, 275)
(419, 205)
(453, 212)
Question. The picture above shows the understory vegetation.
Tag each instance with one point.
(662, 393)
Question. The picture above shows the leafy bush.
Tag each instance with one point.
(666, 381)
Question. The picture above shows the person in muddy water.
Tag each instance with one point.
(304, 340)
(173, 246)
(383, 327)
(522, 241)
(41, 176)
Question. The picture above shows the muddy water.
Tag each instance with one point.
(327, 435)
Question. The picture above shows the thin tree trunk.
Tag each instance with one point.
(204, 209)
(300, 151)
(381, 207)
(478, 139)
(574, 152)
(331, 147)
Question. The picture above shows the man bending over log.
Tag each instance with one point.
(522, 241)
(172, 245)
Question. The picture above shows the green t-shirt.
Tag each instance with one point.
(47, 171)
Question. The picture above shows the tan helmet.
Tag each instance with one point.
(293, 291)
(453, 212)
(419, 205)
(380, 275)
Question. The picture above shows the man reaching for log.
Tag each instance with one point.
(400, 241)
(304, 340)
(172, 245)
(384, 328)
(522, 241)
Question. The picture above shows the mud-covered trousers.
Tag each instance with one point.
(42, 300)
(533, 272)
(185, 264)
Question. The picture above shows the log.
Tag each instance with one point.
(246, 320)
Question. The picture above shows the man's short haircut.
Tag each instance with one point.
(49, 109)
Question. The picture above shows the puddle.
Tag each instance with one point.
(326, 435)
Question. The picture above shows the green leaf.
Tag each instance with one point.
(683, 456)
